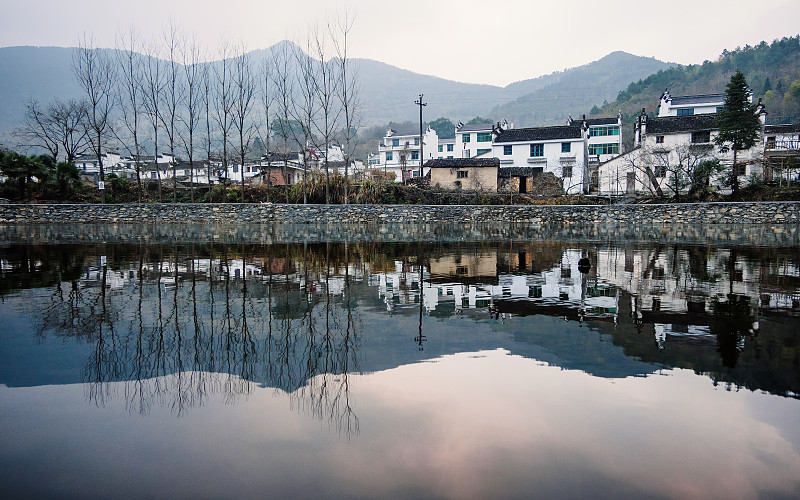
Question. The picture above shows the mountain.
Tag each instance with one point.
(575, 91)
(387, 92)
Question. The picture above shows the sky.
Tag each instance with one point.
(466, 40)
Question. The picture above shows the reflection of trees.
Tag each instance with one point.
(182, 323)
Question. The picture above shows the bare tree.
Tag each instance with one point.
(153, 85)
(172, 95)
(223, 100)
(207, 92)
(283, 83)
(267, 98)
(326, 82)
(131, 96)
(193, 78)
(348, 91)
(304, 108)
(95, 74)
(244, 88)
(59, 128)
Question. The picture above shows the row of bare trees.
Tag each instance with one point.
(207, 106)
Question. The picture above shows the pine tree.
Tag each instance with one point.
(738, 122)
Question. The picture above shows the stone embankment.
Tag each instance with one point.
(698, 213)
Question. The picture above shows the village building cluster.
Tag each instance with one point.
(583, 156)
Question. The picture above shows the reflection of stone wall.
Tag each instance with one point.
(709, 213)
(728, 235)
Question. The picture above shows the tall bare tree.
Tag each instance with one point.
(130, 94)
(223, 100)
(153, 85)
(348, 91)
(326, 81)
(284, 89)
(95, 75)
(172, 96)
(267, 99)
(207, 92)
(193, 100)
(304, 106)
(244, 98)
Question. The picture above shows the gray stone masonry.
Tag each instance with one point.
(705, 213)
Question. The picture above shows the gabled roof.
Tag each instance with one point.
(475, 127)
(675, 124)
(539, 134)
(698, 99)
(600, 121)
(783, 128)
(462, 162)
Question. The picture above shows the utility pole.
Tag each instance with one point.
(421, 155)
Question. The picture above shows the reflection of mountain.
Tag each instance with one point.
(281, 315)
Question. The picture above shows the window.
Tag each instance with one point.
(659, 139)
(537, 150)
(602, 131)
(566, 172)
(449, 147)
(395, 143)
(451, 156)
(686, 112)
(235, 169)
(661, 171)
(566, 147)
(465, 137)
(388, 156)
(441, 148)
(462, 174)
(741, 169)
(416, 141)
(482, 151)
(465, 153)
(701, 137)
(415, 155)
(604, 149)
(484, 136)
(507, 150)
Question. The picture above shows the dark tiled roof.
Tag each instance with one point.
(673, 124)
(600, 121)
(539, 134)
(784, 128)
(476, 127)
(697, 99)
(462, 162)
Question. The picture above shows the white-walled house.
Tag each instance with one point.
(475, 140)
(526, 152)
(690, 104)
(669, 146)
(400, 153)
(446, 148)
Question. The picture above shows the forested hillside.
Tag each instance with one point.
(772, 72)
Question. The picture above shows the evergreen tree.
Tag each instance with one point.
(737, 121)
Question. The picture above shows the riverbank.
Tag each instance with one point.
(736, 213)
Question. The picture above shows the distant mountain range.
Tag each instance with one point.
(387, 92)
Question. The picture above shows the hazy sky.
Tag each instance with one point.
(465, 40)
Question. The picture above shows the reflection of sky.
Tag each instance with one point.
(476, 425)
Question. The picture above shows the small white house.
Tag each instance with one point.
(526, 152)
(690, 104)
(400, 153)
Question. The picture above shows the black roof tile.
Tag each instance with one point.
(674, 124)
(539, 134)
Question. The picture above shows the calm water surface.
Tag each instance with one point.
(459, 366)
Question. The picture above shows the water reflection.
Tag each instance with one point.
(175, 324)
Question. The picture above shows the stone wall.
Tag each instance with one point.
(702, 213)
